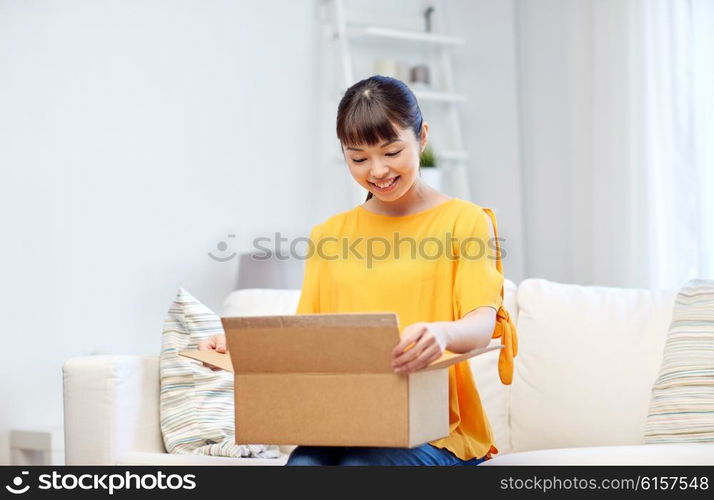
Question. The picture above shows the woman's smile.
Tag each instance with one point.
(386, 185)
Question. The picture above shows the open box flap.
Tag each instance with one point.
(223, 360)
(312, 343)
(449, 358)
(220, 360)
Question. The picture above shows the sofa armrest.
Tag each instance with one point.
(111, 407)
(111, 412)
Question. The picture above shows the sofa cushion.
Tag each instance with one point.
(196, 404)
(646, 454)
(587, 359)
(682, 406)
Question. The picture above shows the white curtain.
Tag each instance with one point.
(616, 108)
(703, 105)
(676, 133)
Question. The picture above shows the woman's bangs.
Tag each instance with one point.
(368, 125)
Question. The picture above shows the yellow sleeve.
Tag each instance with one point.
(310, 294)
(478, 282)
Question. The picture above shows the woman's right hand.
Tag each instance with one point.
(216, 343)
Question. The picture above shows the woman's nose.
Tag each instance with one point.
(379, 170)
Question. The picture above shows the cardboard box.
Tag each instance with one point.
(326, 379)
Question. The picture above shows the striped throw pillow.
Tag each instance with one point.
(682, 404)
(196, 403)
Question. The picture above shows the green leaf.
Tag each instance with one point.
(427, 158)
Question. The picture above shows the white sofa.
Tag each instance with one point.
(587, 359)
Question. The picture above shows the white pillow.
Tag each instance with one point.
(587, 356)
(196, 403)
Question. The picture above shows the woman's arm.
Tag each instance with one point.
(473, 331)
(430, 340)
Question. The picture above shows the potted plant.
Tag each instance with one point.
(430, 173)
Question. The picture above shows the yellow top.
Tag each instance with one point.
(435, 265)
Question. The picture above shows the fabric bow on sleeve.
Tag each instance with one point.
(505, 328)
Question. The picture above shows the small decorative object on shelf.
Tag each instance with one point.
(428, 12)
(419, 77)
(386, 67)
(429, 171)
(392, 68)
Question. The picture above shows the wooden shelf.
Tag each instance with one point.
(358, 31)
(432, 95)
(452, 155)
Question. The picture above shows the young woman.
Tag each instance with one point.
(414, 251)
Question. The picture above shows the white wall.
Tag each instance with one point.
(135, 136)
(584, 200)
(487, 66)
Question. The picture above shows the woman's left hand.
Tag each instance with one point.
(429, 341)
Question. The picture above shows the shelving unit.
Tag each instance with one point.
(453, 158)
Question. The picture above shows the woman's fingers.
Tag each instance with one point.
(411, 335)
(408, 356)
(214, 342)
(207, 343)
(426, 340)
(220, 343)
(426, 356)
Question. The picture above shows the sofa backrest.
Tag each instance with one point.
(588, 357)
(265, 301)
(261, 302)
(583, 376)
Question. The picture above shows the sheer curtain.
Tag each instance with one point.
(703, 105)
(617, 140)
(675, 37)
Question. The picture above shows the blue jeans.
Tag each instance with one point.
(425, 454)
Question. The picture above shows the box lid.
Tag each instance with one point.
(314, 343)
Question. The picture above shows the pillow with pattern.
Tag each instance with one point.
(196, 403)
(682, 405)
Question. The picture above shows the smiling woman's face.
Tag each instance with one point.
(389, 169)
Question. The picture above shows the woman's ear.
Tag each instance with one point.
(424, 136)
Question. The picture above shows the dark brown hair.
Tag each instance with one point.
(369, 109)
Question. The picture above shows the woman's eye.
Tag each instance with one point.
(358, 161)
(395, 153)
